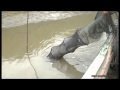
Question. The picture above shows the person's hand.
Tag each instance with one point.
(105, 12)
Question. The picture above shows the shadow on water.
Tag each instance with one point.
(66, 68)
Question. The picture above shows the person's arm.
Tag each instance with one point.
(99, 13)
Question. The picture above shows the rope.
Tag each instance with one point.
(27, 47)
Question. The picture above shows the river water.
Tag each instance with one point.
(45, 30)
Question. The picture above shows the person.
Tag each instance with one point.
(115, 61)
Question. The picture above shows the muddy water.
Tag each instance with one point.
(41, 37)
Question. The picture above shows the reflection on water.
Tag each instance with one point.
(42, 36)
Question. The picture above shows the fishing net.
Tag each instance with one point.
(83, 36)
